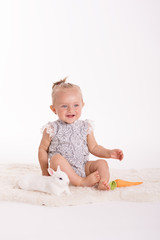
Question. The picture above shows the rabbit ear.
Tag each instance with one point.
(58, 168)
(50, 171)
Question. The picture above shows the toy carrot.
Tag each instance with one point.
(122, 183)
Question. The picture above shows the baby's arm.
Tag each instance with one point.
(100, 151)
(43, 153)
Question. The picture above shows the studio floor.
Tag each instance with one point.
(112, 220)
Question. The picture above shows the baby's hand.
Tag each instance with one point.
(117, 154)
(45, 173)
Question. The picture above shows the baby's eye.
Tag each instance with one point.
(60, 178)
(64, 106)
(76, 105)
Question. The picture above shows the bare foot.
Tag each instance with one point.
(103, 185)
(90, 180)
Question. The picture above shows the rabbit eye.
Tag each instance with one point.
(60, 178)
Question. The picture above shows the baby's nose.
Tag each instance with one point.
(70, 108)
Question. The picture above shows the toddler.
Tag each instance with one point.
(68, 141)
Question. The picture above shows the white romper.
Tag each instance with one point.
(70, 140)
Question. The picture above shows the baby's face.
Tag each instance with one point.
(68, 104)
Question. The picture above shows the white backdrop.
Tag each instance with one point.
(110, 48)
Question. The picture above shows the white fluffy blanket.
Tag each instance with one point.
(149, 191)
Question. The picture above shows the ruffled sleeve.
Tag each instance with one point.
(90, 126)
(49, 129)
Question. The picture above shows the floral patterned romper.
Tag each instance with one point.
(70, 140)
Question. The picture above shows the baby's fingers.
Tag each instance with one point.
(121, 155)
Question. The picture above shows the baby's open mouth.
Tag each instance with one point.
(70, 115)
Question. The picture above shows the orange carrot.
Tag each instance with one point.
(122, 183)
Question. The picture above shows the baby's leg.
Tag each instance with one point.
(102, 167)
(75, 180)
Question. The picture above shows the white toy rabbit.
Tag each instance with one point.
(56, 183)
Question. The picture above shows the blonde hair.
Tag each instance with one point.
(62, 85)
